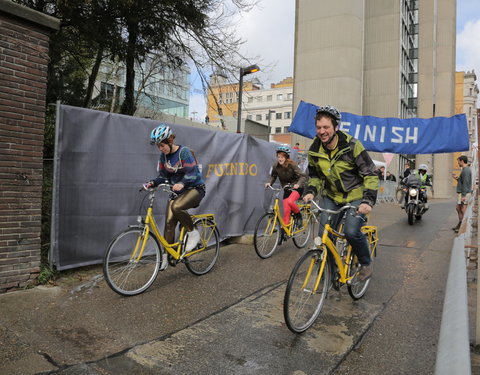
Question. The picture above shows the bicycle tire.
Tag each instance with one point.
(131, 277)
(301, 307)
(411, 214)
(300, 239)
(205, 255)
(266, 235)
(358, 288)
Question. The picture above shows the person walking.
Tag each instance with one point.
(288, 172)
(464, 189)
(178, 166)
(340, 168)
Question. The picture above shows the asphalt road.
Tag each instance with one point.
(230, 321)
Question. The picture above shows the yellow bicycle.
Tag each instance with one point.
(134, 257)
(267, 233)
(331, 263)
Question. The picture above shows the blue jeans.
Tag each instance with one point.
(352, 228)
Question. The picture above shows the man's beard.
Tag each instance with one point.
(330, 140)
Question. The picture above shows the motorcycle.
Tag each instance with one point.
(415, 199)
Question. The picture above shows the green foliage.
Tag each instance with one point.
(200, 31)
(47, 274)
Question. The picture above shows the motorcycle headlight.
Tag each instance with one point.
(413, 192)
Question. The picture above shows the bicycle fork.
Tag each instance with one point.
(313, 262)
(143, 240)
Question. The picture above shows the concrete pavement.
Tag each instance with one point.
(231, 320)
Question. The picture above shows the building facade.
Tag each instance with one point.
(271, 107)
(466, 95)
(159, 89)
(381, 58)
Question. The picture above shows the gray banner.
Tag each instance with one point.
(102, 159)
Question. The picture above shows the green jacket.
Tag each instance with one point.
(349, 176)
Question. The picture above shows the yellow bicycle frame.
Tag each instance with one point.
(329, 246)
(288, 228)
(174, 249)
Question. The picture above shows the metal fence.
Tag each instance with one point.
(453, 353)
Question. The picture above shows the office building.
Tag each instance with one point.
(381, 58)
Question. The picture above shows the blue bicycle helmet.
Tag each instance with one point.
(284, 149)
(160, 133)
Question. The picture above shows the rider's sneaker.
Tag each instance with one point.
(164, 264)
(192, 240)
(366, 272)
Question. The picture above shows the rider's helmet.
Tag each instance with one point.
(331, 112)
(423, 167)
(285, 149)
(160, 134)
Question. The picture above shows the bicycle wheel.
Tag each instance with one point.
(302, 305)
(301, 238)
(125, 274)
(201, 260)
(267, 233)
(357, 287)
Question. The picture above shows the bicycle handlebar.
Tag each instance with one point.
(287, 186)
(164, 187)
(343, 208)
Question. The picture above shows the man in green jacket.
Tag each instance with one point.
(340, 168)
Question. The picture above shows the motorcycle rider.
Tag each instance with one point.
(425, 181)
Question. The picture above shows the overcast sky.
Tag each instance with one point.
(269, 28)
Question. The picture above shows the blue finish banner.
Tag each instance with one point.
(399, 136)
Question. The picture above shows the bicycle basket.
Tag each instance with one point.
(268, 200)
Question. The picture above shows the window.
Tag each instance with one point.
(279, 96)
(278, 115)
(290, 96)
(287, 129)
(250, 99)
(258, 117)
(287, 115)
(278, 130)
(269, 98)
(249, 117)
(258, 98)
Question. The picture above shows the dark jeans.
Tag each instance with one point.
(352, 228)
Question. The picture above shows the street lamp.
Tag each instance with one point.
(243, 72)
(270, 111)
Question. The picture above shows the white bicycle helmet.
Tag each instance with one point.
(331, 110)
(423, 167)
(160, 133)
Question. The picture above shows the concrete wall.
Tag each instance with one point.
(436, 82)
(382, 58)
(24, 36)
(329, 53)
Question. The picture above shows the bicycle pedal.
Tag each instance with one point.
(171, 260)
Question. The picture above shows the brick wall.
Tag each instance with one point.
(23, 82)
